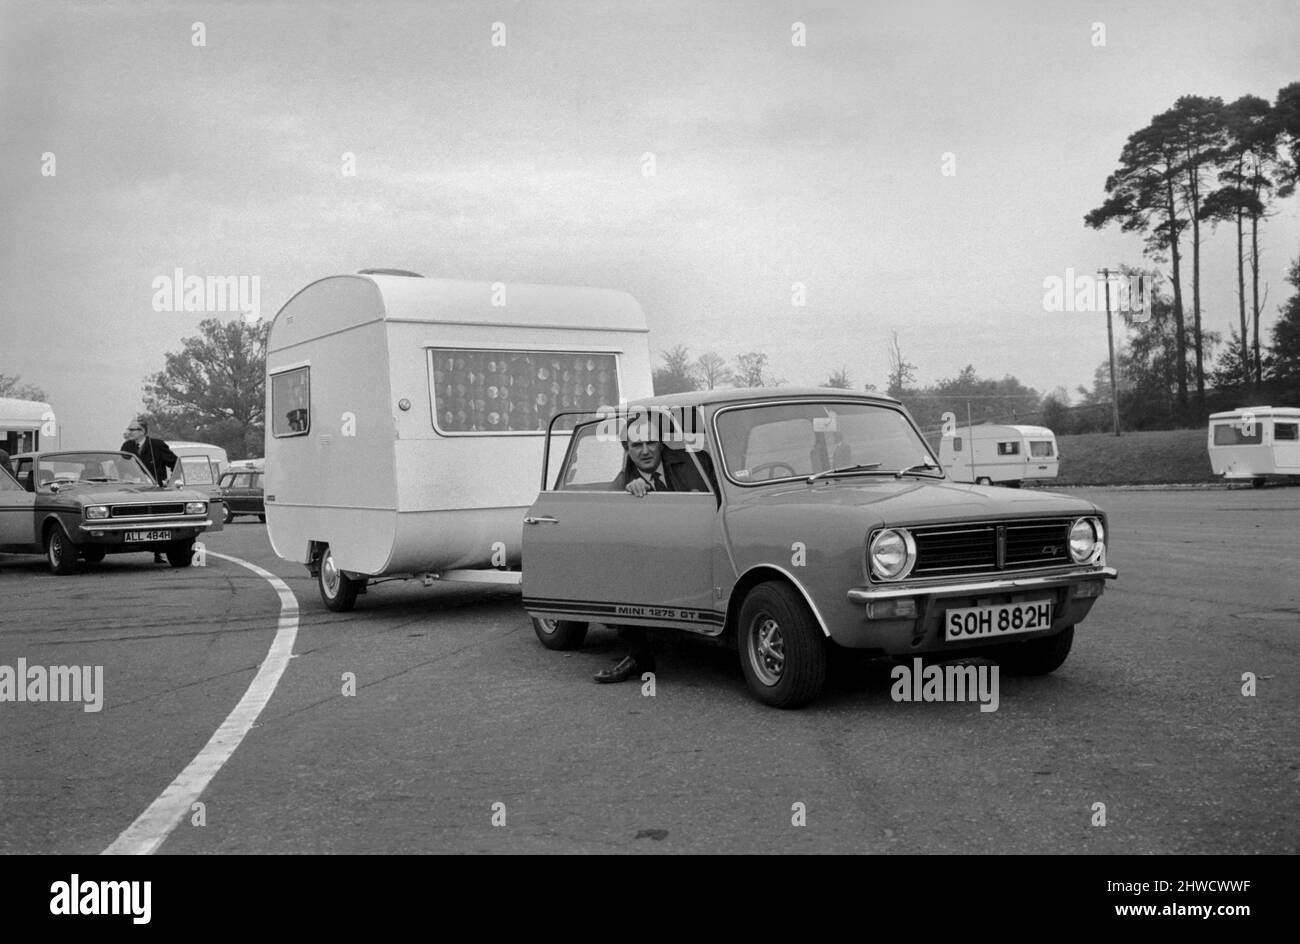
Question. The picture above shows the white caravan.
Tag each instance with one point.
(1255, 442)
(406, 418)
(989, 454)
(27, 426)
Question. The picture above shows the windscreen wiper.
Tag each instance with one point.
(848, 468)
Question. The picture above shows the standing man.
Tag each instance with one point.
(155, 454)
(647, 467)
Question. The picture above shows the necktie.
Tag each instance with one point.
(658, 483)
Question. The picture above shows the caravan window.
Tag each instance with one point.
(1008, 448)
(291, 402)
(498, 391)
(1230, 434)
(956, 444)
(1040, 449)
(1286, 431)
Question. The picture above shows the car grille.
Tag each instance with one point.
(995, 546)
(159, 510)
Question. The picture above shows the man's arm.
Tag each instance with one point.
(168, 457)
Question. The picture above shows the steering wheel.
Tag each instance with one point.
(772, 467)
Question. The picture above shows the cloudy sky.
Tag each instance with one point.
(774, 163)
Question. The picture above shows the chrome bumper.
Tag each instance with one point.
(108, 527)
(1001, 585)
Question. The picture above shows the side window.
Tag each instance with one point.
(291, 402)
(257, 480)
(1008, 448)
(592, 462)
(956, 444)
(1286, 432)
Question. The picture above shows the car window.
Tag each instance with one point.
(8, 483)
(257, 480)
(594, 459)
(242, 480)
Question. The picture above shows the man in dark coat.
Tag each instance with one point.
(154, 453)
(649, 466)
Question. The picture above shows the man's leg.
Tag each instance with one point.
(640, 657)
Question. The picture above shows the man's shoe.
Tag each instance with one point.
(158, 558)
(631, 667)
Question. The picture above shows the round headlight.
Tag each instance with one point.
(96, 511)
(195, 508)
(892, 554)
(1085, 540)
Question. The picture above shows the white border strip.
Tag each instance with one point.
(146, 834)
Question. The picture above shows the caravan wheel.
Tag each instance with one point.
(983, 480)
(338, 592)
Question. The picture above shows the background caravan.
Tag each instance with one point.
(1255, 443)
(406, 418)
(990, 454)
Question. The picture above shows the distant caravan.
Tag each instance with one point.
(406, 418)
(1000, 455)
(1255, 443)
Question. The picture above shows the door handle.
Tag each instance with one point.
(542, 519)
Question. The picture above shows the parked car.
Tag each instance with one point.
(829, 523)
(242, 494)
(89, 504)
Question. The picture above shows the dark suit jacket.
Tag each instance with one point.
(676, 468)
(156, 456)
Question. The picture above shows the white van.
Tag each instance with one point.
(27, 426)
(406, 418)
(989, 454)
(1255, 442)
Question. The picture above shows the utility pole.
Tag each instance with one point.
(1110, 346)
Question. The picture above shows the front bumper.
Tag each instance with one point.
(114, 532)
(975, 587)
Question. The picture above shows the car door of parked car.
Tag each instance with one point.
(17, 515)
(594, 554)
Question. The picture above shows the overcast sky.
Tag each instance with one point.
(774, 164)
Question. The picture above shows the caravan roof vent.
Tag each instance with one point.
(412, 275)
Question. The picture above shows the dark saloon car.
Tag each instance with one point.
(89, 504)
(242, 493)
(822, 521)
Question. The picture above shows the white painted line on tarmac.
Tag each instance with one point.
(151, 827)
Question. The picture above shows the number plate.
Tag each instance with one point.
(148, 536)
(984, 622)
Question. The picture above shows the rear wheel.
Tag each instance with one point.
(782, 652)
(1038, 656)
(337, 591)
(559, 634)
(60, 553)
(1257, 482)
(180, 553)
(229, 515)
(93, 554)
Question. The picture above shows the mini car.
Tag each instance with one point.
(89, 504)
(828, 523)
(242, 493)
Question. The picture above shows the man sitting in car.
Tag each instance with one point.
(649, 466)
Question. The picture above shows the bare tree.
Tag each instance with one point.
(839, 380)
(712, 370)
(901, 373)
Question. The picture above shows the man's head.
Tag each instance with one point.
(137, 430)
(642, 445)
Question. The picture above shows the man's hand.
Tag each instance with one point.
(638, 487)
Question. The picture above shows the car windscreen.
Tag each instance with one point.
(772, 441)
(70, 467)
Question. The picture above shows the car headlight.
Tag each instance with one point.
(1087, 541)
(96, 511)
(196, 508)
(892, 554)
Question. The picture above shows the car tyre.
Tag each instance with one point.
(180, 553)
(782, 651)
(1038, 656)
(262, 518)
(228, 516)
(60, 552)
(1257, 482)
(93, 554)
(983, 480)
(337, 590)
(559, 634)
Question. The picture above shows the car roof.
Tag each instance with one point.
(722, 395)
(70, 452)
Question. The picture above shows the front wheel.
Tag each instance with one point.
(559, 634)
(228, 516)
(60, 553)
(782, 651)
(180, 553)
(1038, 656)
(337, 591)
(1257, 482)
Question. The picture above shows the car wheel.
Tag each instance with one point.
(93, 554)
(337, 591)
(782, 652)
(229, 516)
(60, 553)
(1038, 656)
(983, 480)
(262, 518)
(1257, 482)
(559, 634)
(180, 553)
